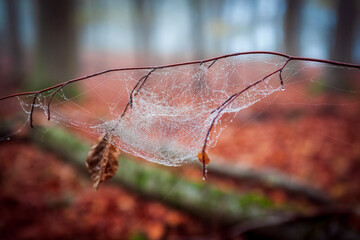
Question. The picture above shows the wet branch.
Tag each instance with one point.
(133, 93)
(228, 101)
(32, 109)
(142, 81)
(52, 96)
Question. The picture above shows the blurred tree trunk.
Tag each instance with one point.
(292, 26)
(14, 72)
(345, 30)
(216, 10)
(344, 39)
(56, 46)
(143, 27)
(197, 28)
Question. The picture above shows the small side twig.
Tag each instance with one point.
(52, 96)
(212, 63)
(141, 81)
(227, 102)
(281, 80)
(146, 77)
(32, 110)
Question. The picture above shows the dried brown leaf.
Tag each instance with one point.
(206, 157)
(102, 160)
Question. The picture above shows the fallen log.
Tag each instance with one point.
(198, 198)
(269, 178)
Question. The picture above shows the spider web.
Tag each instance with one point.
(172, 110)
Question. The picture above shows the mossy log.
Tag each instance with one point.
(198, 198)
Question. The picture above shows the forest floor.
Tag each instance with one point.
(46, 198)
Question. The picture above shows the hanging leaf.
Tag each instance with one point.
(102, 160)
(206, 157)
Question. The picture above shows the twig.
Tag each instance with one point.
(281, 80)
(129, 104)
(52, 96)
(212, 63)
(142, 81)
(32, 110)
(290, 58)
(227, 102)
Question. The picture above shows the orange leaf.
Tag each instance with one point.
(200, 157)
(102, 160)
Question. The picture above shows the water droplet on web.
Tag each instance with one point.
(282, 88)
(203, 178)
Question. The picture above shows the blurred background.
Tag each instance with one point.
(297, 158)
(46, 42)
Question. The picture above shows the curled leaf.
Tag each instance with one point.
(102, 160)
(206, 158)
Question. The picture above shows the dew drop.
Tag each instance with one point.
(7, 139)
(282, 88)
(203, 178)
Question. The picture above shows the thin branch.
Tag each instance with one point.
(226, 103)
(131, 94)
(281, 80)
(290, 58)
(227, 100)
(52, 96)
(32, 110)
(212, 63)
(129, 104)
(142, 81)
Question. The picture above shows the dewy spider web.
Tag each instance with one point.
(171, 113)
